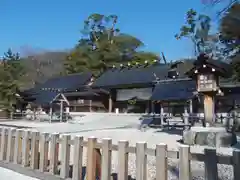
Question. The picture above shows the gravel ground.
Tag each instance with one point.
(7, 174)
(153, 137)
(111, 126)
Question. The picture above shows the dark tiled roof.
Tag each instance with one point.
(45, 97)
(72, 81)
(44, 93)
(224, 68)
(132, 76)
(174, 90)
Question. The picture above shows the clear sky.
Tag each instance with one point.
(56, 24)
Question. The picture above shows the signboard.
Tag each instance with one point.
(207, 82)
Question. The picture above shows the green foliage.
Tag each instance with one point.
(103, 45)
(230, 29)
(230, 36)
(11, 73)
(197, 29)
(132, 101)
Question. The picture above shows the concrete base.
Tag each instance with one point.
(209, 136)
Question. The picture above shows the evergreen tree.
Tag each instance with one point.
(103, 45)
(11, 76)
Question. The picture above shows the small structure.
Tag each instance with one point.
(59, 98)
(180, 92)
(207, 72)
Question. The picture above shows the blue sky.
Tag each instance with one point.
(56, 24)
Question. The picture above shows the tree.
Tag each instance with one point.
(103, 45)
(11, 73)
(230, 36)
(230, 29)
(197, 29)
(225, 4)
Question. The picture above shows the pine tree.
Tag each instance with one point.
(11, 74)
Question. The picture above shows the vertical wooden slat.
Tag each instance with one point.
(54, 153)
(184, 163)
(43, 152)
(106, 158)
(141, 161)
(123, 160)
(236, 164)
(25, 148)
(3, 152)
(17, 146)
(64, 173)
(77, 160)
(91, 158)
(161, 162)
(10, 144)
(211, 171)
(35, 150)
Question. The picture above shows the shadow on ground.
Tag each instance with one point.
(113, 175)
(170, 131)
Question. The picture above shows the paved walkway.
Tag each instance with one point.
(7, 174)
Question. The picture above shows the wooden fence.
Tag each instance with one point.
(23, 147)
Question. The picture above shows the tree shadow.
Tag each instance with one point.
(84, 170)
(172, 130)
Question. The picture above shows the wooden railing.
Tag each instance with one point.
(41, 151)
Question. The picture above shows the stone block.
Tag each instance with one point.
(209, 136)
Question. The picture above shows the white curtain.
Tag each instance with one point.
(140, 93)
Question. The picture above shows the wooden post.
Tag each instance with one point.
(54, 153)
(186, 119)
(17, 146)
(123, 160)
(162, 112)
(236, 164)
(90, 105)
(61, 110)
(209, 111)
(77, 160)
(50, 113)
(190, 106)
(161, 162)
(106, 159)
(3, 151)
(211, 170)
(25, 148)
(91, 158)
(141, 161)
(34, 164)
(110, 103)
(64, 173)
(43, 152)
(10, 144)
(184, 163)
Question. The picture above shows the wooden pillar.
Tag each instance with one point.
(90, 105)
(190, 106)
(50, 113)
(161, 112)
(186, 116)
(61, 111)
(152, 107)
(110, 103)
(209, 110)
